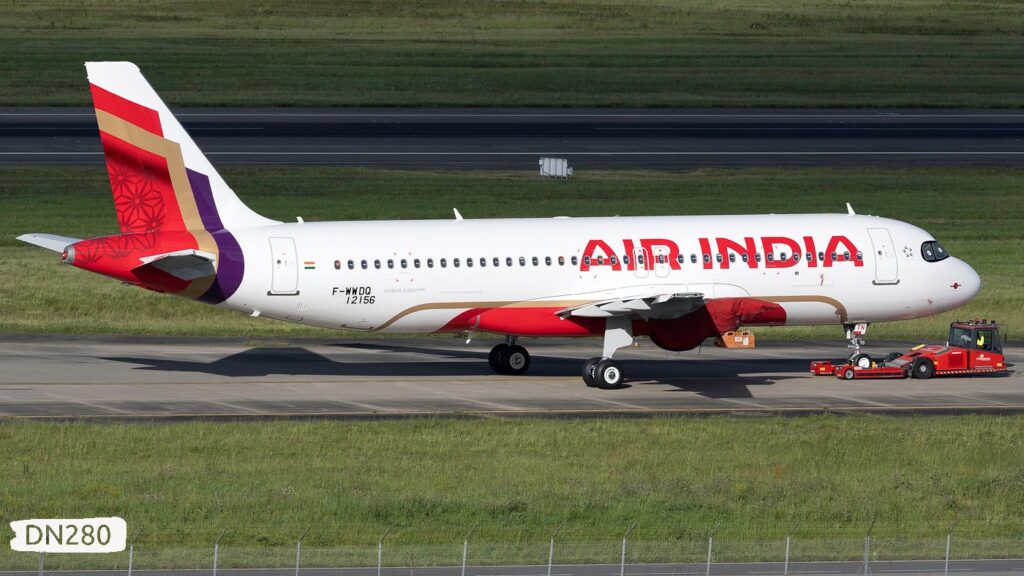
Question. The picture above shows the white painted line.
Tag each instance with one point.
(458, 113)
(569, 153)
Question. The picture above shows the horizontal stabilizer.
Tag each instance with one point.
(49, 241)
(184, 264)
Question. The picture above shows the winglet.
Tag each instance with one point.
(849, 210)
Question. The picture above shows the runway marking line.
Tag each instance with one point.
(583, 153)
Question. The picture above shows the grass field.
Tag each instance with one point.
(519, 479)
(976, 213)
(515, 52)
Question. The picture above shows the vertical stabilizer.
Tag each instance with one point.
(159, 178)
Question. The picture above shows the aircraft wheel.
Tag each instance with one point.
(496, 358)
(589, 369)
(608, 374)
(861, 360)
(924, 368)
(515, 361)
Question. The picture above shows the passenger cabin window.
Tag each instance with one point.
(561, 260)
(693, 258)
(625, 260)
(547, 260)
(496, 262)
(732, 257)
(351, 265)
(576, 261)
(483, 262)
(586, 260)
(376, 264)
(391, 264)
(508, 261)
(522, 261)
(770, 257)
(430, 262)
(362, 264)
(535, 261)
(404, 263)
(718, 258)
(455, 262)
(707, 259)
(416, 263)
(444, 262)
(757, 256)
(469, 262)
(337, 264)
(860, 255)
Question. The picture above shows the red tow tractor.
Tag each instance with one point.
(973, 348)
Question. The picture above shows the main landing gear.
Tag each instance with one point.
(598, 372)
(509, 358)
(603, 372)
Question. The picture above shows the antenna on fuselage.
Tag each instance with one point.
(849, 210)
(458, 217)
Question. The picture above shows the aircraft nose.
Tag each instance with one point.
(965, 283)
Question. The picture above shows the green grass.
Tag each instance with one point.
(515, 52)
(977, 213)
(432, 480)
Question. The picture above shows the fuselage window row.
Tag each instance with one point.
(601, 260)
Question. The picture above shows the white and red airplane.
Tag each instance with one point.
(677, 279)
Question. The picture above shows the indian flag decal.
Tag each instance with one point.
(310, 265)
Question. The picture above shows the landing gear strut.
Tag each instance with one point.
(603, 372)
(509, 358)
(855, 333)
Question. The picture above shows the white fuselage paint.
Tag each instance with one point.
(425, 299)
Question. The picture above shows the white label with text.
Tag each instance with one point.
(85, 535)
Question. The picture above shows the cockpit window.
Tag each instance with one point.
(933, 251)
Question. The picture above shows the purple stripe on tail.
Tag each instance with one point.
(230, 262)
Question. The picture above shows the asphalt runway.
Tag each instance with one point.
(517, 138)
(922, 567)
(140, 378)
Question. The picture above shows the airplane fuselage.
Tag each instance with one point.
(512, 275)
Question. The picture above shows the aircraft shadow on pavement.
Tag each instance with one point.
(711, 378)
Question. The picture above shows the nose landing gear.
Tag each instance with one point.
(855, 333)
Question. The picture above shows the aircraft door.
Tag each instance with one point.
(661, 265)
(641, 261)
(285, 271)
(886, 265)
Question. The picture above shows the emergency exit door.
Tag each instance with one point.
(886, 265)
(285, 267)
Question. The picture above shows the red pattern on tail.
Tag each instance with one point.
(143, 194)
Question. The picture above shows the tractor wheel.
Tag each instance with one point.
(849, 374)
(924, 368)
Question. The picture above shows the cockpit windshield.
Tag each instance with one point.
(933, 251)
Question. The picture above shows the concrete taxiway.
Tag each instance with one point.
(49, 376)
(510, 138)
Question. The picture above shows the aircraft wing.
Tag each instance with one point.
(49, 241)
(658, 306)
(184, 264)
